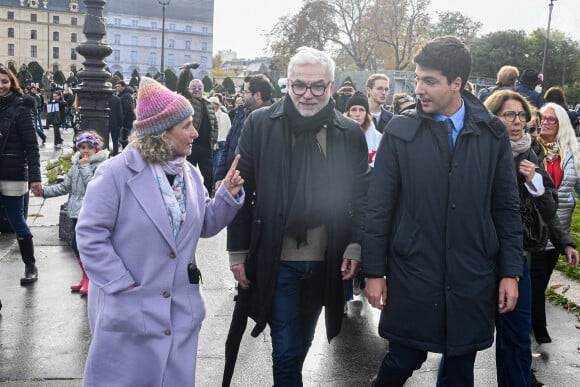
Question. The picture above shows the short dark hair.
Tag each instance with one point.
(262, 84)
(447, 54)
(122, 83)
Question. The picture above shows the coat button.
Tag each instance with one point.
(172, 255)
(166, 294)
(167, 332)
(453, 206)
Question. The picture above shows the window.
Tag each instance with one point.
(187, 45)
(55, 19)
(10, 49)
(171, 43)
(74, 21)
(117, 21)
(73, 37)
(10, 32)
(170, 59)
(154, 25)
(117, 55)
(73, 54)
(55, 53)
(188, 29)
(153, 42)
(152, 58)
(117, 39)
(33, 17)
(34, 51)
(33, 34)
(204, 30)
(55, 36)
(73, 68)
(133, 57)
(135, 23)
(134, 40)
(203, 62)
(171, 26)
(55, 68)
(203, 46)
(10, 15)
(187, 58)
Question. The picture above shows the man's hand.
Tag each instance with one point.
(508, 295)
(571, 255)
(239, 271)
(36, 188)
(349, 268)
(376, 292)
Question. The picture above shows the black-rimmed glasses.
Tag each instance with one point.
(510, 116)
(317, 90)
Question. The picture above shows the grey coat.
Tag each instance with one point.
(75, 182)
(566, 197)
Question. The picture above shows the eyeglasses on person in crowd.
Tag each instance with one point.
(532, 129)
(550, 120)
(197, 88)
(317, 90)
(382, 89)
(510, 116)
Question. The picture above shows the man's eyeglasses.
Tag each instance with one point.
(198, 88)
(382, 89)
(317, 90)
(550, 120)
(510, 116)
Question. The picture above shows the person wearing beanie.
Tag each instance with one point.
(137, 233)
(84, 164)
(357, 108)
(529, 80)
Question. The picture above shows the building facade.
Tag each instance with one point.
(40, 31)
(48, 32)
(134, 31)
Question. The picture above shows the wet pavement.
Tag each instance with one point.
(44, 335)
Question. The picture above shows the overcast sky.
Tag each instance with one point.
(240, 25)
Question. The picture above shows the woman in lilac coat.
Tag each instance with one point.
(143, 214)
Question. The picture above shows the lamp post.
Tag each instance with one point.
(547, 39)
(163, 4)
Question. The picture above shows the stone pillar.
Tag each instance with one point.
(94, 89)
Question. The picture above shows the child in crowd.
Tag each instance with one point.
(85, 161)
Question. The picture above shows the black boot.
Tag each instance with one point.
(27, 253)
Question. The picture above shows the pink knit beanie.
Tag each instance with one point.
(158, 108)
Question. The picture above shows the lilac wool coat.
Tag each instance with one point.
(147, 335)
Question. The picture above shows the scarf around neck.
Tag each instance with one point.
(309, 175)
(551, 149)
(173, 195)
(522, 145)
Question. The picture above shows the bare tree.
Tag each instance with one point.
(400, 25)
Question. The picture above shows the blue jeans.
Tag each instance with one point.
(14, 210)
(297, 305)
(513, 346)
(217, 155)
(38, 126)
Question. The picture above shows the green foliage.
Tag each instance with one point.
(12, 68)
(229, 85)
(135, 78)
(207, 83)
(170, 80)
(114, 79)
(59, 78)
(560, 300)
(59, 167)
(118, 75)
(217, 61)
(36, 70)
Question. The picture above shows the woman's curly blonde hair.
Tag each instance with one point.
(153, 148)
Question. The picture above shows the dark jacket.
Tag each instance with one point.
(383, 120)
(127, 107)
(443, 228)
(229, 151)
(56, 112)
(115, 113)
(533, 97)
(265, 149)
(19, 159)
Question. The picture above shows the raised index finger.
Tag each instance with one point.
(235, 164)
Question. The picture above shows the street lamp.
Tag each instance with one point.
(163, 4)
(547, 39)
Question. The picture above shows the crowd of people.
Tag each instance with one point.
(323, 193)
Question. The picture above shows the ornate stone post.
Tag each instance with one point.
(94, 90)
